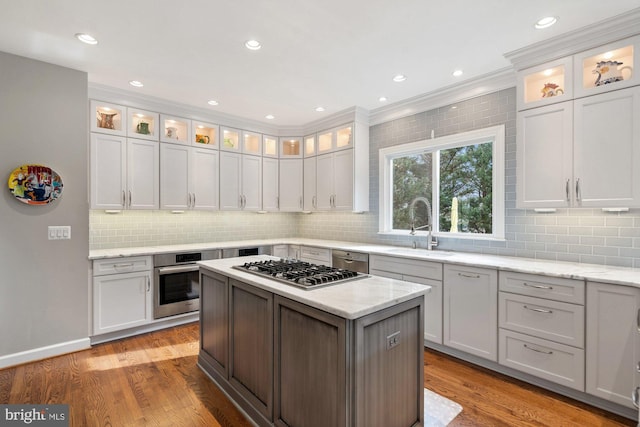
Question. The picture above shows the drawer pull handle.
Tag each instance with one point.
(538, 310)
(538, 286)
(470, 276)
(130, 265)
(634, 397)
(536, 350)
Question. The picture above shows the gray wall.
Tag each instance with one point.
(43, 284)
(579, 235)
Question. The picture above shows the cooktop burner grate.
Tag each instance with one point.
(299, 273)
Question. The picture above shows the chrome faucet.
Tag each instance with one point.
(431, 242)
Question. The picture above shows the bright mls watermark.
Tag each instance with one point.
(36, 415)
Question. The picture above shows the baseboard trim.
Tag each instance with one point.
(44, 352)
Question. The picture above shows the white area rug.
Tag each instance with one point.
(438, 410)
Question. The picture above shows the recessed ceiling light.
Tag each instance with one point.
(457, 73)
(382, 99)
(269, 117)
(86, 38)
(136, 83)
(319, 109)
(212, 102)
(252, 44)
(545, 22)
(399, 78)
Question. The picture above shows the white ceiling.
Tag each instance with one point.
(334, 53)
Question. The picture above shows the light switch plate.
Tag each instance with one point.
(59, 232)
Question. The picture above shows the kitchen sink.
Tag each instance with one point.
(419, 251)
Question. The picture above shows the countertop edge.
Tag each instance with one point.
(624, 276)
(346, 300)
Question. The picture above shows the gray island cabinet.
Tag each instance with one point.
(349, 354)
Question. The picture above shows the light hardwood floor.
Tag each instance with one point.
(153, 380)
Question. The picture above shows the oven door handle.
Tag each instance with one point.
(177, 269)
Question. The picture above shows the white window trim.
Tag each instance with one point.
(386, 155)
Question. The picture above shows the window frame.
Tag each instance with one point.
(494, 134)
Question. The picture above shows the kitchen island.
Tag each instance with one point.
(349, 354)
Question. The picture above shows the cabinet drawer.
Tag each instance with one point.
(556, 288)
(552, 320)
(318, 254)
(409, 267)
(102, 267)
(555, 362)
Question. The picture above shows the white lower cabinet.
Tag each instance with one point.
(541, 322)
(613, 342)
(470, 300)
(416, 271)
(555, 362)
(122, 298)
(280, 251)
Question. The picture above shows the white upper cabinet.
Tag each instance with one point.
(188, 177)
(176, 130)
(269, 146)
(290, 147)
(241, 182)
(124, 173)
(607, 149)
(335, 181)
(338, 138)
(143, 124)
(580, 152)
(205, 135)
(545, 84)
(270, 199)
(108, 118)
(309, 185)
(290, 188)
(606, 68)
(309, 146)
(230, 139)
(251, 143)
(545, 157)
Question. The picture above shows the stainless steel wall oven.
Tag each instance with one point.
(176, 283)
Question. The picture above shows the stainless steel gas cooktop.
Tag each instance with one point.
(299, 273)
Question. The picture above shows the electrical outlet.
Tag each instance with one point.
(393, 340)
(59, 232)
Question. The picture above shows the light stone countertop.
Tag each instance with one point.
(571, 270)
(349, 300)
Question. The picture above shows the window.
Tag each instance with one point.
(461, 176)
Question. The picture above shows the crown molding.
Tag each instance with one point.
(570, 43)
(482, 85)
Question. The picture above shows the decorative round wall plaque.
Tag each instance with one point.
(35, 184)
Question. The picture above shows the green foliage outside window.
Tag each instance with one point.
(465, 173)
